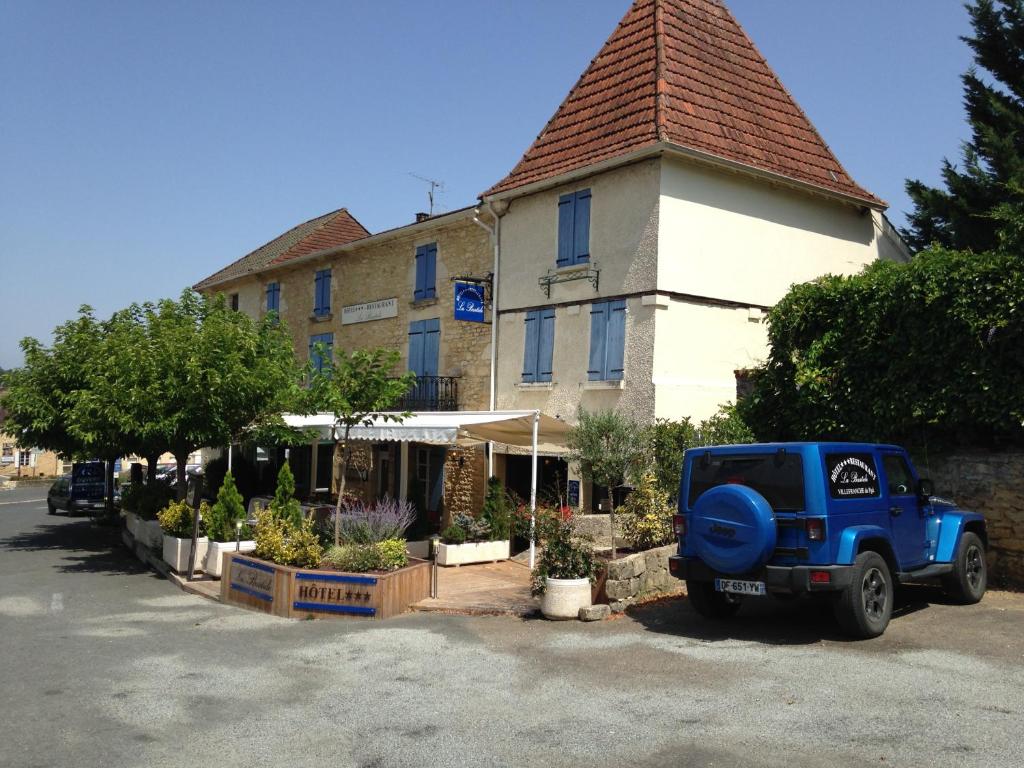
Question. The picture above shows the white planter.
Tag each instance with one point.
(131, 523)
(176, 552)
(215, 554)
(149, 533)
(472, 552)
(563, 598)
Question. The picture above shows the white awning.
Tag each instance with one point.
(448, 427)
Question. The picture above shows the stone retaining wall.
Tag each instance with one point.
(598, 528)
(640, 575)
(993, 484)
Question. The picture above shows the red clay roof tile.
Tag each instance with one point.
(682, 72)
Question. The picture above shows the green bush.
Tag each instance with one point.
(453, 534)
(498, 510)
(647, 514)
(226, 512)
(388, 555)
(928, 352)
(669, 441)
(564, 554)
(284, 504)
(176, 519)
(278, 541)
(147, 499)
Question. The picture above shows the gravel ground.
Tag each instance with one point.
(104, 664)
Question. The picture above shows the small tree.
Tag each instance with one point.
(356, 387)
(669, 441)
(608, 449)
(226, 512)
(497, 510)
(285, 506)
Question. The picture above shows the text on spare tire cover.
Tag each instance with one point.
(852, 475)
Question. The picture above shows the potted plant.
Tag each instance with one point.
(222, 527)
(176, 520)
(565, 569)
(142, 502)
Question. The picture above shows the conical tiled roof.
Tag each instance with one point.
(682, 72)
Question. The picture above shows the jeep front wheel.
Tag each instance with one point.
(863, 609)
(709, 603)
(967, 583)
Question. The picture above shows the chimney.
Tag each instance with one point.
(421, 216)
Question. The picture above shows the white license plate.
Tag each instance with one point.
(740, 587)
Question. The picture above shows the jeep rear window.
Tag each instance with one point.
(779, 477)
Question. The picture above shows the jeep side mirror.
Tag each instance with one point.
(925, 489)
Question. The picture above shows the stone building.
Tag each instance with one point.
(334, 283)
(671, 200)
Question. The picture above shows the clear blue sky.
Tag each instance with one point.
(143, 145)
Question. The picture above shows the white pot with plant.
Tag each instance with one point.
(480, 539)
(176, 521)
(565, 570)
(222, 527)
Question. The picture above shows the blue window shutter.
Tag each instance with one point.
(566, 211)
(326, 339)
(326, 304)
(416, 347)
(430, 278)
(546, 344)
(421, 273)
(616, 340)
(598, 328)
(581, 228)
(532, 324)
(431, 345)
(317, 292)
(322, 292)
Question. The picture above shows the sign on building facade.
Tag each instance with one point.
(373, 310)
(469, 302)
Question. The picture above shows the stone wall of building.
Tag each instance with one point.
(464, 481)
(993, 484)
(640, 575)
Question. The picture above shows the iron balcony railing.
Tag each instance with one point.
(431, 393)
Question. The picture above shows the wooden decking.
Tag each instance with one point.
(490, 589)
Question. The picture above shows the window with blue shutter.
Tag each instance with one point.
(322, 293)
(574, 228)
(424, 344)
(607, 340)
(540, 345)
(426, 272)
(273, 297)
(327, 339)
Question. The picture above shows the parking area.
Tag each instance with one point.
(105, 664)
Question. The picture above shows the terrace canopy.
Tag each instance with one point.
(531, 429)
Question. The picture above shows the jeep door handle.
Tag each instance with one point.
(895, 511)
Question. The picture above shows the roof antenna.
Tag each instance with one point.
(434, 185)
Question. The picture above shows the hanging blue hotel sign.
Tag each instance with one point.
(469, 302)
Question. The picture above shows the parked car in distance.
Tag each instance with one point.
(82, 491)
(847, 521)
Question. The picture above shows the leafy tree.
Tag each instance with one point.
(356, 387)
(608, 449)
(285, 506)
(961, 215)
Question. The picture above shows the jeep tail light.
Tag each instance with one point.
(821, 577)
(679, 525)
(816, 529)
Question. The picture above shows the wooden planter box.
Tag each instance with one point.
(473, 552)
(299, 593)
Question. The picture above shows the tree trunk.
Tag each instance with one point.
(611, 516)
(109, 480)
(151, 467)
(182, 461)
(346, 455)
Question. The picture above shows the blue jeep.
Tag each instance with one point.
(847, 520)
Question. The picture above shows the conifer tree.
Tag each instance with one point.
(992, 165)
(285, 506)
(226, 512)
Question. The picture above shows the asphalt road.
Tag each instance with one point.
(104, 664)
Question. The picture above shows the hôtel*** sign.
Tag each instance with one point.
(373, 310)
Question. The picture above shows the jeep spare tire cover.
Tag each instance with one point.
(733, 529)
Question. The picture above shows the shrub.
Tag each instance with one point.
(669, 441)
(226, 512)
(498, 510)
(564, 556)
(280, 542)
(647, 514)
(726, 427)
(147, 499)
(387, 555)
(284, 505)
(453, 534)
(385, 519)
(476, 528)
(176, 519)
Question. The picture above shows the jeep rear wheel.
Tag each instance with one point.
(709, 603)
(969, 579)
(863, 609)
